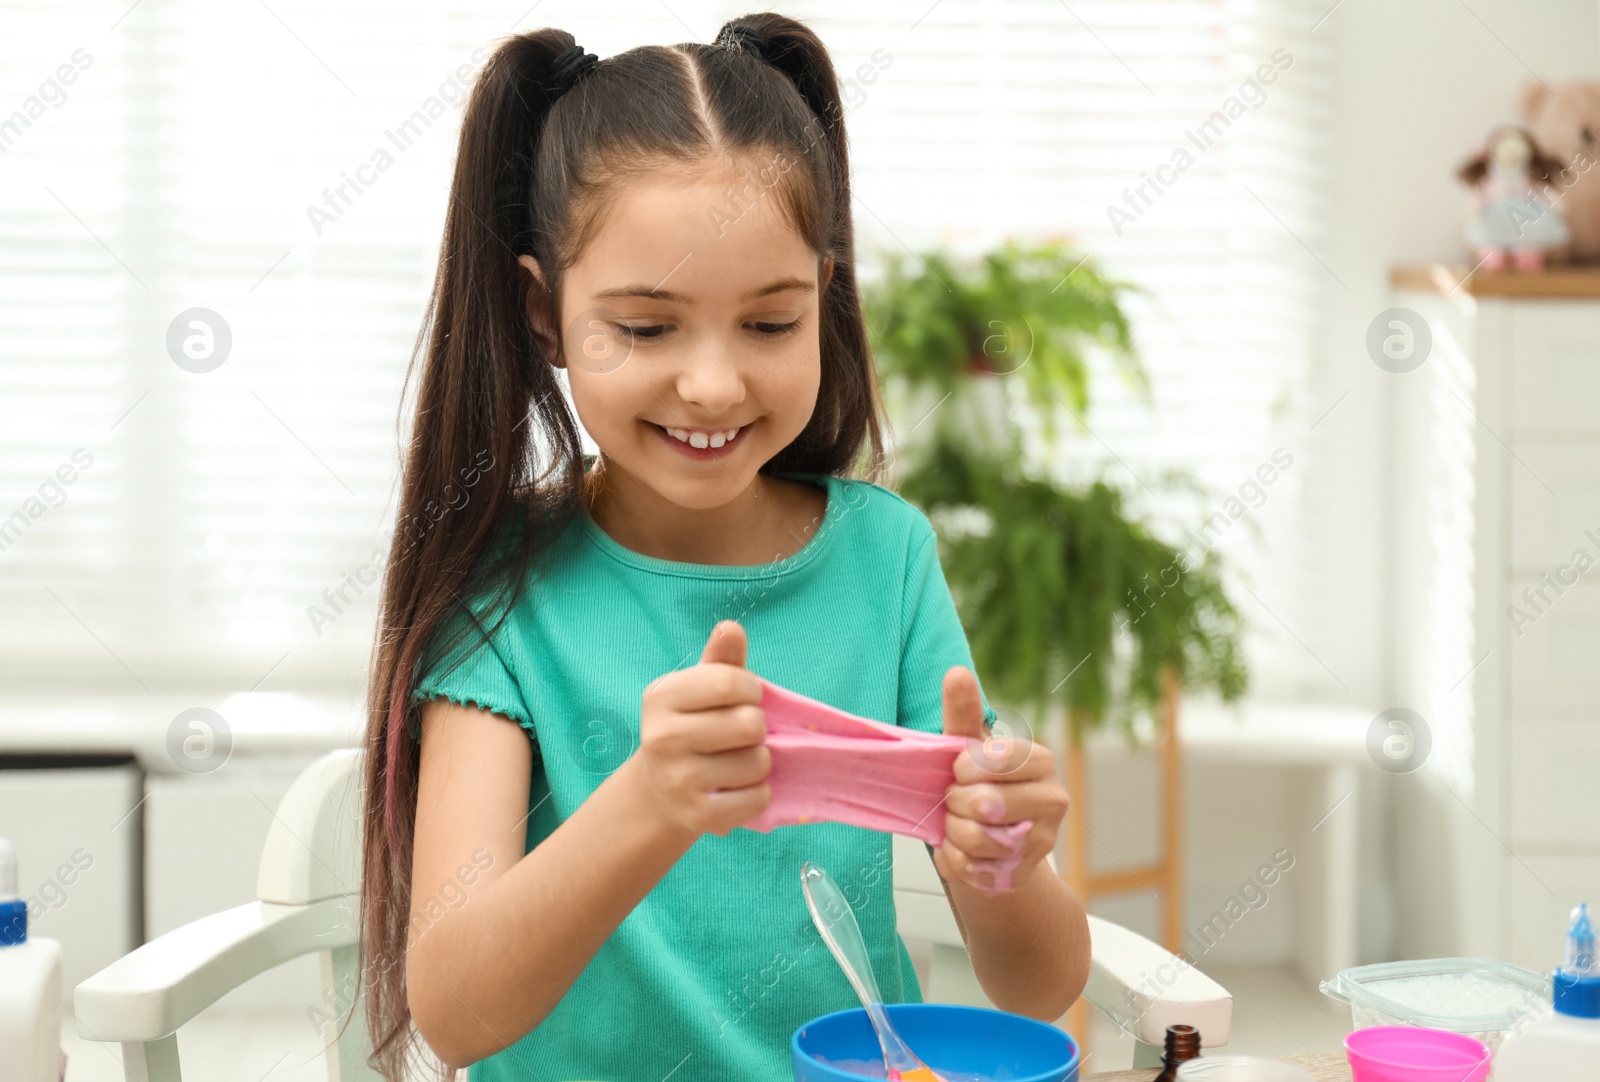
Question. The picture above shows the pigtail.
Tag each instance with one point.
(794, 50)
(799, 54)
(469, 462)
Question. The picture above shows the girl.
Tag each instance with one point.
(564, 733)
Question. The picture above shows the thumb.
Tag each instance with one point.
(726, 645)
(963, 706)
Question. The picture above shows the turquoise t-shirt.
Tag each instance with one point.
(719, 964)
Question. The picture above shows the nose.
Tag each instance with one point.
(711, 380)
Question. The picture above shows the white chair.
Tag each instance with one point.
(306, 901)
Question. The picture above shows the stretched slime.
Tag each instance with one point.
(830, 766)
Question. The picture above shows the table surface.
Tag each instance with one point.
(1328, 1067)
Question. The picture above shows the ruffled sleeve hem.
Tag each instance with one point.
(492, 703)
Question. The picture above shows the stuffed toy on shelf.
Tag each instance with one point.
(1517, 219)
(1565, 121)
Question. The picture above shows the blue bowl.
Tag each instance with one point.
(974, 1040)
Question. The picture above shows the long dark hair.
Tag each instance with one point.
(490, 422)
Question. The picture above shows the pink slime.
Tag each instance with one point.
(1001, 868)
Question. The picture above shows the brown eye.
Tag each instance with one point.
(775, 330)
(653, 331)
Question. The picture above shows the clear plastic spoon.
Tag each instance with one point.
(830, 912)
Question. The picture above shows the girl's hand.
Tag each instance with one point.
(701, 730)
(1005, 809)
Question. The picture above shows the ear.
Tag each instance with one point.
(541, 316)
(827, 273)
(1532, 98)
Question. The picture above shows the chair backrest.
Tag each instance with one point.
(313, 846)
(313, 852)
(922, 911)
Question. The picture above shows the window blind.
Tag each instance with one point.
(271, 178)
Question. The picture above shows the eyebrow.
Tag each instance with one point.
(779, 286)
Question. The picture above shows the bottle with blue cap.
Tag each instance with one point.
(1565, 1043)
(30, 988)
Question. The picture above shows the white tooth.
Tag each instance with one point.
(679, 434)
(697, 439)
(718, 439)
(732, 432)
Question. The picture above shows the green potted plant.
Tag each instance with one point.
(1051, 582)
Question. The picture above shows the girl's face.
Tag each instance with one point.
(690, 336)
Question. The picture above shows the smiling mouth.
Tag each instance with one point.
(702, 442)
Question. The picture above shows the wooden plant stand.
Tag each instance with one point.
(1165, 874)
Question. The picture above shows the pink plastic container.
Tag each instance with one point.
(1415, 1054)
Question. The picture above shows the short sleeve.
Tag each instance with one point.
(932, 638)
(473, 672)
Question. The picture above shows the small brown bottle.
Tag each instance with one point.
(1183, 1044)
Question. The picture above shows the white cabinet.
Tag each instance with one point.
(77, 832)
(1553, 361)
(1553, 775)
(1510, 399)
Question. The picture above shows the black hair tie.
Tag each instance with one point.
(744, 38)
(569, 66)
